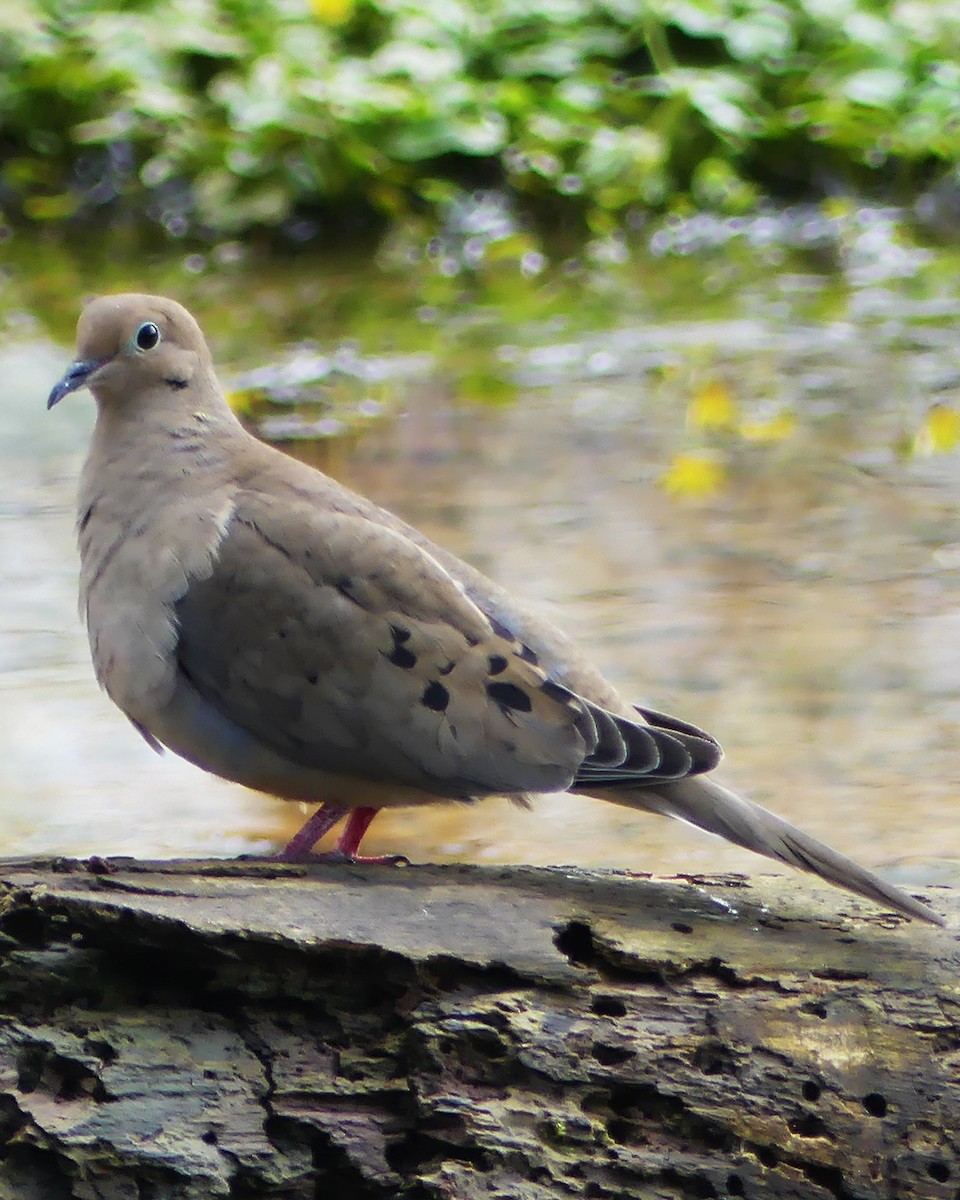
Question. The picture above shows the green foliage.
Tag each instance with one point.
(247, 113)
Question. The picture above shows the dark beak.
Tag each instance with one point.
(76, 377)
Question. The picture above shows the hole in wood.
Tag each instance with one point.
(618, 1130)
(808, 1127)
(608, 1006)
(611, 1056)
(815, 1010)
(712, 1057)
(575, 942)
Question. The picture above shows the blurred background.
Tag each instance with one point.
(649, 311)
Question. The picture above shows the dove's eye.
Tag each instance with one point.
(147, 336)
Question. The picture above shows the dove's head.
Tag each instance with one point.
(134, 346)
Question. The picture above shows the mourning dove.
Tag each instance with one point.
(281, 631)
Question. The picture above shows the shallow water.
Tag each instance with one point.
(806, 613)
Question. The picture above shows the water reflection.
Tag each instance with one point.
(807, 615)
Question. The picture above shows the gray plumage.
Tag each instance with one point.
(281, 631)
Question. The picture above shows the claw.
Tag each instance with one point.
(359, 860)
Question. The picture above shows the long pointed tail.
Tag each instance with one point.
(701, 802)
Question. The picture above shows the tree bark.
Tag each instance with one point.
(196, 1030)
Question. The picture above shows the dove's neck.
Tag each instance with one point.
(169, 446)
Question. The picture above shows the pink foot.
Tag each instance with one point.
(300, 846)
(349, 842)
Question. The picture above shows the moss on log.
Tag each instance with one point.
(188, 1030)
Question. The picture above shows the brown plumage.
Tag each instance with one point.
(279, 630)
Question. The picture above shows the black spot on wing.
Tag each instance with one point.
(400, 656)
(435, 696)
(509, 696)
(521, 649)
(496, 664)
(446, 669)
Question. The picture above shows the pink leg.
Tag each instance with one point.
(300, 846)
(349, 841)
(303, 841)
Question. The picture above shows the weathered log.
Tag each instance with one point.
(187, 1030)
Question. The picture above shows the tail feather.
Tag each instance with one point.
(654, 749)
(706, 804)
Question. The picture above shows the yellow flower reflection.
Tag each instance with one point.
(694, 474)
(331, 12)
(940, 431)
(712, 407)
